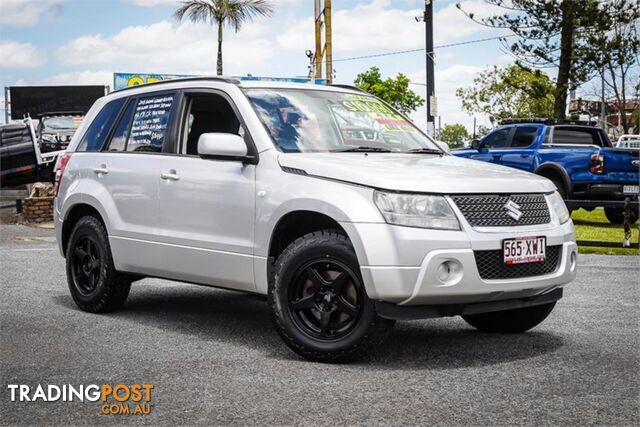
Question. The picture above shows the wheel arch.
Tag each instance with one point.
(73, 215)
(552, 169)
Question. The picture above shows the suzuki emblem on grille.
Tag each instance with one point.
(513, 210)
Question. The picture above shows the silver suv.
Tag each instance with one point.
(324, 198)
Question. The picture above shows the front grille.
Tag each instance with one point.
(491, 265)
(489, 210)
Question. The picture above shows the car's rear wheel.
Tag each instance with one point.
(94, 283)
(616, 215)
(510, 321)
(320, 307)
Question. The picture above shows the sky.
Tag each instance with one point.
(85, 41)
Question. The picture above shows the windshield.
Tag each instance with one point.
(56, 123)
(321, 121)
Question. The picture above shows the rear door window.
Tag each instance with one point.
(150, 123)
(524, 136)
(568, 136)
(95, 136)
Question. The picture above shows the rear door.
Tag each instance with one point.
(521, 152)
(128, 169)
(207, 206)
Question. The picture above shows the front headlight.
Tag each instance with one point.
(416, 210)
(558, 207)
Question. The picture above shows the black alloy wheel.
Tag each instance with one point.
(325, 299)
(86, 265)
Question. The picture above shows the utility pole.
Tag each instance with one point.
(324, 48)
(603, 103)
(428, 23)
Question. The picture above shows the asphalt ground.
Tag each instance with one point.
(214, 357)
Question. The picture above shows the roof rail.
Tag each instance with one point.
(185, 79)
(347, 87)
(544, 121)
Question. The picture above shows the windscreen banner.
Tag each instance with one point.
(124, 80)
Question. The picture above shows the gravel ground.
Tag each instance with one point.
(214, 357)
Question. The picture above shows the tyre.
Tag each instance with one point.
(94, 283)
(616, 215)
(510, 321)
(557, 181)
(319, 303)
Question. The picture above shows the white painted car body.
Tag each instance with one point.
(214, 223)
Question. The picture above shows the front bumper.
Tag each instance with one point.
(400, 264)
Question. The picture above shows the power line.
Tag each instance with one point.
(399, 52)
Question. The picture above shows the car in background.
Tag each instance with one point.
(55, 129)
(628, 141)
(20, 156)
(579, 159)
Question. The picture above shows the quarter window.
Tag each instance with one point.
(95, 136)
(121, 134)
(150, 123)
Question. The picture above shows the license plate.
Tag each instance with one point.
(631, 190)
(524, 250)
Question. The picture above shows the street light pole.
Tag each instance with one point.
(428, 23)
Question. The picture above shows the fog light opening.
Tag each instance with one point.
(574, 261)
(449, 272)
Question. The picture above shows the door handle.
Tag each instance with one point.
(101, 170)
(171, 175)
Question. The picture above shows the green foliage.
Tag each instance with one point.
(394, 91)
(455, 135)
(223, 12)
(482, 131)
(557, 34)
(511, 91)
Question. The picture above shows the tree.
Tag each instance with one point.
(511, 91)
(221, 13)
(547, 34)
(455, 135)
(394, 91)
(611, 48)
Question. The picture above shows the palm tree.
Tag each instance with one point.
(221, 13)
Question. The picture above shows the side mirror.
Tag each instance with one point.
(223, 146)
(475, 144)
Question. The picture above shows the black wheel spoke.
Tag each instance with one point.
(339, 282)
(325, 319)
(303, 303)
(80, 254)
(345, 307)
(315, 278)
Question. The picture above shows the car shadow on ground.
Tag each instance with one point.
(242, 319)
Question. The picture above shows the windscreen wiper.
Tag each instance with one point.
(361, 149)
(426, 151)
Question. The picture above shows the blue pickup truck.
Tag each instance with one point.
(580, 160)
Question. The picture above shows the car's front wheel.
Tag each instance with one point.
(94, 283)
(510, 321)
(319, 303)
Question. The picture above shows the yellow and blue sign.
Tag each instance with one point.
(125, 80)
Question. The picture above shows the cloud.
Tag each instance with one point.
(447, 80)
(87, 77)
(167, 47)
(14, 54)
(151, 3)
(378, 26)
(28, 13)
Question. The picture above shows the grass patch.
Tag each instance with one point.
(595, 226)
